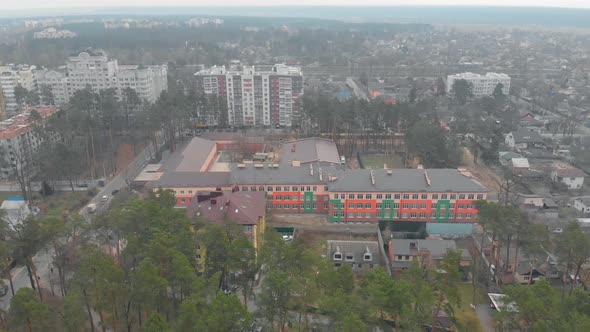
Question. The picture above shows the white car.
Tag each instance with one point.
(104, 198)
(558, 230)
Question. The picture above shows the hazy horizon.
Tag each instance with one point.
(113, 4)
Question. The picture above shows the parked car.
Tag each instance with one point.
(4, 288)
(104, 198)
(114, 192)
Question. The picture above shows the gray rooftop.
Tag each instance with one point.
(355, 248)
(282, 174)
(526, 136)
(437, 248)
(310, 150)
(193, 179)
(406, 180)
(191, 158)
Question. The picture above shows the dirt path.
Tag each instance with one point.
(485, 175)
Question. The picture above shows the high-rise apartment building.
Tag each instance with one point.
(94, 68)
(91, 67)
(483, 85)
(57, 82)
(256, 95)
(10, 77)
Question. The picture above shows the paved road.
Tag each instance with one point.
(484, 312)
(42, 260)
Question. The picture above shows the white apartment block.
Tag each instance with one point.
(12, 76)
(483, 85)
(94, 68)
(256, 95)
(56, 80)
(52, 33)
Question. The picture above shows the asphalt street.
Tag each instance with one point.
(47, 275)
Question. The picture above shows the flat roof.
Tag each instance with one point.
(498, 301)
(250, 174)
(308, 150)
(191, 158)
(406, 180)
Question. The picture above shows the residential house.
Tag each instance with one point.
(523, 139)
(429, 253)
(519, 165)
(525, 272)
(582, 204)
(247, 209)
(572, 177)
(362, 256)
(506, 156)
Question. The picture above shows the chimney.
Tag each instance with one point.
(372, 177)
(311, 169)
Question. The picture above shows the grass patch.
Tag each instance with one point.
(466, 295)
(61, 202)
(375, 161)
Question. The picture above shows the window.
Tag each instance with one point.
(359, 215)
(295, 198)
(269, 188)
(295, 188)
(379, 214)
(461, 196)
(287, 206)
(423, 206)
(406, 205)
(367, 205)
(468, 216)
(379, 196)
(351, 206)
(378, 206)
(424, 196)
(453, 196)
(469, 206)
(183, 200)
(325, 206)
(326, 188)
(470, 196)
(461, 206)
(190, 191)
(367, 257)
(286, 188)
(368, 196)
(359, 206)
(433, 206)
(277, 188)
(451, 215)
(400, 257)
(413, 215)
(443, 196)
(279, 206)
(414, 196)
(479, 196)
(404, 215)
(396, 196)
(349, 257)
(359, 196)
(341, 196)
(350, 215)
(422, 215)
(414, 206)
(315, 188)
(368, 215)
(261, 188)
(459, 215)
(335, 196)
(313, 206)
(198, 256)
(334, 214)
(182, 191)
(279, 198)
(338, 256)
(253, 188)
(434, 196)
(432, 215)
(396, 205)
(308, 188)
(406, 196)
(287, 198)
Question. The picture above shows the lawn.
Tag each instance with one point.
(466, 295)
(375, 161)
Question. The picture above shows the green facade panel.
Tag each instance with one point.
(308, 202)
(384, 215)
(447, 204)
(339, 207)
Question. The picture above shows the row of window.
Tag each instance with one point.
(293, 206)
(282, 188)
(407, 196)
(405, 206)
(413, 215)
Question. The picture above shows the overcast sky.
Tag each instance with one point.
(31, 4)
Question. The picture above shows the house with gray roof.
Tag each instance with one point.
(362, 256)
(402, 253)
(523, 139)
(582, 204)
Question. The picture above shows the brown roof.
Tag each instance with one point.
(240, 207)
(570, 172)
(191, 158)
(193, 179)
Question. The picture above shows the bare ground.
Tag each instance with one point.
(483, 173)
